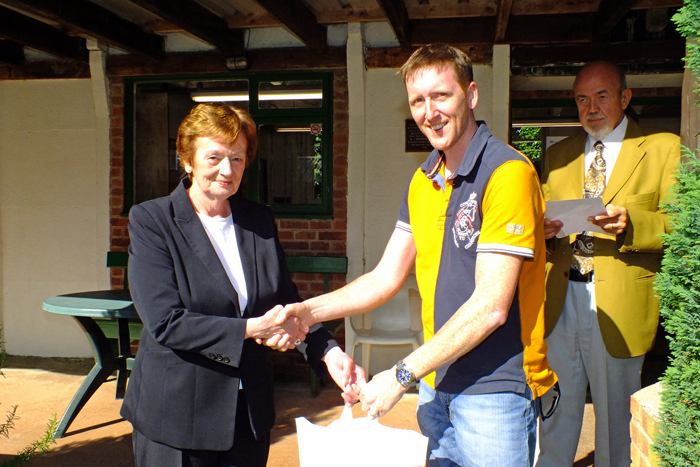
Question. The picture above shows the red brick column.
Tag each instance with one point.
(644, 406)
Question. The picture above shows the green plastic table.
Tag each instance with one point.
(88, 308)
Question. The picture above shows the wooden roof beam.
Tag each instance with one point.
(398, 18)
(610, 13)
(301, 21)
(197, 20)
(502, 16)
(11, 53)
(97, 22)
(40, 36)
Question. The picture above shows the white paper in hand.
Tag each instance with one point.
(574, 214)
(349, 442)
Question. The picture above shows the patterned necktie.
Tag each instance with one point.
(593, 186)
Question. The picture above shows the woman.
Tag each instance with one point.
(207, 272)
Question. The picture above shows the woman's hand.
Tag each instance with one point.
(284, 336)
(346, 374)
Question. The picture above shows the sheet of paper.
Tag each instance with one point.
(574, 214)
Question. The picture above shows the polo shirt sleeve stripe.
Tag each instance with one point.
(406, 227)
(499, 248)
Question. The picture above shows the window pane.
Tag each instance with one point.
(290, 164)
(290, 94)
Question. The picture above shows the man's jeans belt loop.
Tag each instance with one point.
(576, 276)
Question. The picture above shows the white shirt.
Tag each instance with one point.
(222, 235)
(611, 149)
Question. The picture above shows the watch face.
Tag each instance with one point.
(404, 376)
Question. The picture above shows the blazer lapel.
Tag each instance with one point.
(193, 231)
(246, 247)
(575, 169)
(631, 154)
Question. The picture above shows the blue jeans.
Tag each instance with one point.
(490, 430)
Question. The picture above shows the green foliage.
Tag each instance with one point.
(687, 20)
(678, 289)
(43, 445)
(528, 140)
(9, 422)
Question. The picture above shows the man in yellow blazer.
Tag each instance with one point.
(601, 323)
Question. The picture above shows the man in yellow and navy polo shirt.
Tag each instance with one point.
(472, 224)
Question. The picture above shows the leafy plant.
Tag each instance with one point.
(43, 445)
(528, 140)
(677, 441)
(678, 288)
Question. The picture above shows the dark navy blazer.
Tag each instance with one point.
(184, 386)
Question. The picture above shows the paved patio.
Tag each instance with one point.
(100, 437)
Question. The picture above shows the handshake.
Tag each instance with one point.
(285, 327)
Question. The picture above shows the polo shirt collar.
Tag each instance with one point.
(432, 165)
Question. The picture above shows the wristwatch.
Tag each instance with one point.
(404, 375)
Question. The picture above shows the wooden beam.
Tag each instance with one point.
(549, 29)
(395, 57)
(502, 16)
(667, 51)
(298, 58)
(46, 69)
(40, 36)
(610, 13)
(398, 19)
(11, 53)
(97, 22)
(301, 21)
(351, 15)
(241, 21)
(520, 30)
(453, 10)
(453, 31)
(569, 94)
(197, 20)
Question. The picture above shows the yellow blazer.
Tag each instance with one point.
(624, 267)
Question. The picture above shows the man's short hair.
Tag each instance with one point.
(440, 55)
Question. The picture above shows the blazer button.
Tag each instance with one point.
(227, 360)
(212, 356)
(220, 357)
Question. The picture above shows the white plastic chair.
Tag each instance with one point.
(397, 322)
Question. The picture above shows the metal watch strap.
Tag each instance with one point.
(404, 375)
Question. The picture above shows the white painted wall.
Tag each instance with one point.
(53, 203)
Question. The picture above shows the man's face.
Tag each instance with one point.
(601, 106)
(441, 109)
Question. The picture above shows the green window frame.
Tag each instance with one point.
(321, 115)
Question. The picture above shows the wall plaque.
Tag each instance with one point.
(415, 140)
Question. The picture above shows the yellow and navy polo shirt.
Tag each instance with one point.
(492, 204)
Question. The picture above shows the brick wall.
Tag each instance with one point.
(644, 406)
(119, 234)
(299, 237)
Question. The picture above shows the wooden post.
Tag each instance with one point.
(690, 112)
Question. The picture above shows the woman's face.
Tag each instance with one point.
(217, 168)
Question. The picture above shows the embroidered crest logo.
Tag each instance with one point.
(463, 231)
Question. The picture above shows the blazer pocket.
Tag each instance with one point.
(643, 201)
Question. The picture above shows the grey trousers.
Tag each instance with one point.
(577, 355)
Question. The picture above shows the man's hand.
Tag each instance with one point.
(282, 336)
(551, 227)
(346, 374)
(614, 222)
(381, 394)
(299, 310)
